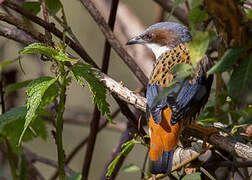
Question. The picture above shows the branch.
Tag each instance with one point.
(114, 41)
(32, 157)
(124, 32)
(94, 125)
(179, 12)
(139, 102)
(51, 28)
(16, 35)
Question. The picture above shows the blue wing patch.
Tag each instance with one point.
(156, 111)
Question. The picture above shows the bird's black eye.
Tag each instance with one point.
(147, 37)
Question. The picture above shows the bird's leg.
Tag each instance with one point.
(207, 132)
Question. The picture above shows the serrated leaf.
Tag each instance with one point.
(75, 176)
(193, 176)
(49, 96)
(196, 15)
(48, 51)
(32, 6)
(198, 46)
(126, 148)
(12, 123)
(240, 83)
(16, 86)
(35, 93)
(84, 70)
(227, 60)
(54, 5)
(130, 168)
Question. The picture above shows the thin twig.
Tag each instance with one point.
(32, 157)
(45, 14)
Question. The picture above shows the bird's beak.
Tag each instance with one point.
(135, 40)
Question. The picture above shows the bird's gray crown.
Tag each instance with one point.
(182, 32)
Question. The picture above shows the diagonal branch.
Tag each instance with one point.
(51, 28)
(114, 41)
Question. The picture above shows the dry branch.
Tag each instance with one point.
(131, 97)
(125, 16)
(179, 12)
(115, 44)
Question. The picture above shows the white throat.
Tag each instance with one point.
(157, 50)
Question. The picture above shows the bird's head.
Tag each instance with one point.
(162, 37)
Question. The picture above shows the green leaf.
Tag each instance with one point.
(175, 4)
(181, 68)
(16, 86)
(84, 70)
(209, 120)
(227, 60)
(75, 176)
(54, 5)
(130, 168)
(35, 93)
(49, 96)
(198, 46)
(193, 176)
(196, 15)
(48, 51)
(165, 92)
(249, 13)
(240, 83)
(195, 3)
(12, 123)
(126, 148)
(32, 6)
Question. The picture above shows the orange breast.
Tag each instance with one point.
(164, 137)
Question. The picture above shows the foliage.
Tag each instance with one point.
(84, 70)
(125, 150)
(229, 103)
(56, 54)
(12, 123)
(35, 92)
(75, 176)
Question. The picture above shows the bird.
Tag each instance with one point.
(169, 42)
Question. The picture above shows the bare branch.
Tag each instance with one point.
(16, 35)
(179, 12)
(51, 28)
(32, 157)
(114, 41)
(125, 16)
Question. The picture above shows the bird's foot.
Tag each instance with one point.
(207, 132)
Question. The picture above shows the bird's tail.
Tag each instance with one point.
(164, 138)
(164, 164)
